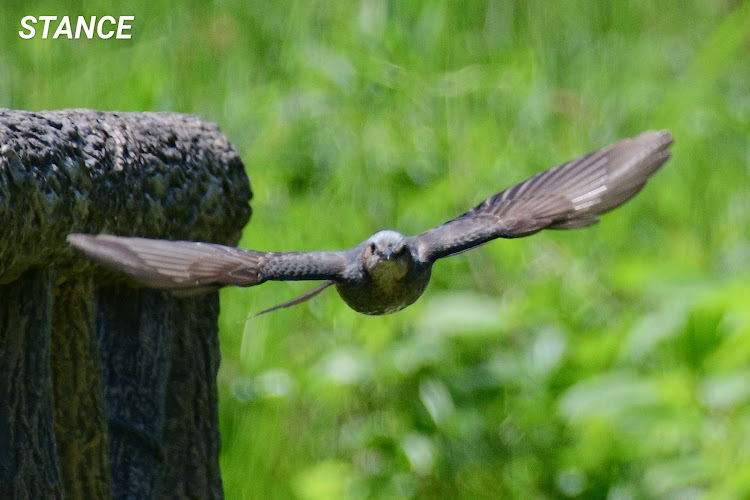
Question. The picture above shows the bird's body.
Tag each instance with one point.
(390, 271)
(390, 276)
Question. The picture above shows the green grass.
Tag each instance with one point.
(610, 362)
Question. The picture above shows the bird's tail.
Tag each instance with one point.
(297, 300)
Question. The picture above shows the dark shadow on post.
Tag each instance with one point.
(106, 389)
(28, 460)
(186, 428)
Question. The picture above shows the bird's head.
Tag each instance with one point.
(386, 255)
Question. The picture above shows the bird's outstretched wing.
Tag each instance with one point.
(569, 196)
(185, 264)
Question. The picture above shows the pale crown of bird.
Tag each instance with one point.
(386, 256)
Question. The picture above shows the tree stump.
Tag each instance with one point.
(107, 389)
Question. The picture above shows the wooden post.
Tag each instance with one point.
(106, 389)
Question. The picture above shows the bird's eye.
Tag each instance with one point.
(372, 248)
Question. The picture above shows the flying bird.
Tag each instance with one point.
(389, 271)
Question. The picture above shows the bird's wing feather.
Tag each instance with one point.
(568, 196)
(185, 264)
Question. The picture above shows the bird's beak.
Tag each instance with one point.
(387, 254)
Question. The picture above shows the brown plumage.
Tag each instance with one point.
(389, 271)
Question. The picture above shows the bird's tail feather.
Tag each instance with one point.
(297, 300)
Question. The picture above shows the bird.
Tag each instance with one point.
(389, 271)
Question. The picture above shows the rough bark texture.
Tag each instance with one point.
(162, 175)
(28, 458)
(191, 441)
(135, 334)
(80, 418)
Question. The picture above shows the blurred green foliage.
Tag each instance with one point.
(611, 362)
